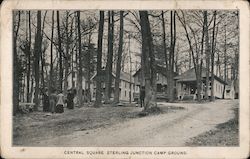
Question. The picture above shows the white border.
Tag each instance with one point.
(58, 152)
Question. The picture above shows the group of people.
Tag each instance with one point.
(56, 101)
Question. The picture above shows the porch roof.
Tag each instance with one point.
(190, 76)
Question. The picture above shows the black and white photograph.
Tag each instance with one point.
(126, 78)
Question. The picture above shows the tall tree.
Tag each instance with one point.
(67, 55)
(118, 63)
(164, 41)
(51, 54)
(171, 57)
(108, 81)
(225, 59)
(79, 77)
(16, 70)
(59, 50)
(88, 61)
(212, 56)
(149, 62)
(98, 98)
(197, 61)
(38, 49)
(207, 53)
(29, 59)
(42, 56)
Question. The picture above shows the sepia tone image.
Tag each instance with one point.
(131, 78)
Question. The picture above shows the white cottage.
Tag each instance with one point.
(125, 91)
(186, 85)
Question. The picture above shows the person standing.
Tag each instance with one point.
(60, 103)
(46, 102)
(52, 101)
(70, 102)
(142, 95)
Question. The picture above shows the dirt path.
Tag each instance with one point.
(172, 129)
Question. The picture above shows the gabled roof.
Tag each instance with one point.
(123, 75)
(190, 75)
(159, 69)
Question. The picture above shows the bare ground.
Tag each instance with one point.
(122, 126)
(225, 134)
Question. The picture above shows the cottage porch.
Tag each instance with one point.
(187, 90)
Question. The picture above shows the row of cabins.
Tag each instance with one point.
(126, 93)
(184, 84)
(127, 86)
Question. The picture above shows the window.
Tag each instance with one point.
(73, 74)
(125, 94)
(125, 84)
(157, 76)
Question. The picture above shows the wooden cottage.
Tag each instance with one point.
(161, 81)
(125, 90)
(186, 85)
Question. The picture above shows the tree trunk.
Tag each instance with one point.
(98, 98)
(79, 77)
(43, 55)
(118, 63)
(207, 55)
(149, 61)
(15, 65)
(164, 43)
(67, 56)
(225, 60)
(108, 81)
(38, 45)
(29, 61)
(171, 57)
(76, 53)
(88, 69)
(60, 51)
(199, 82)
(212, 59)
(51, 55)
